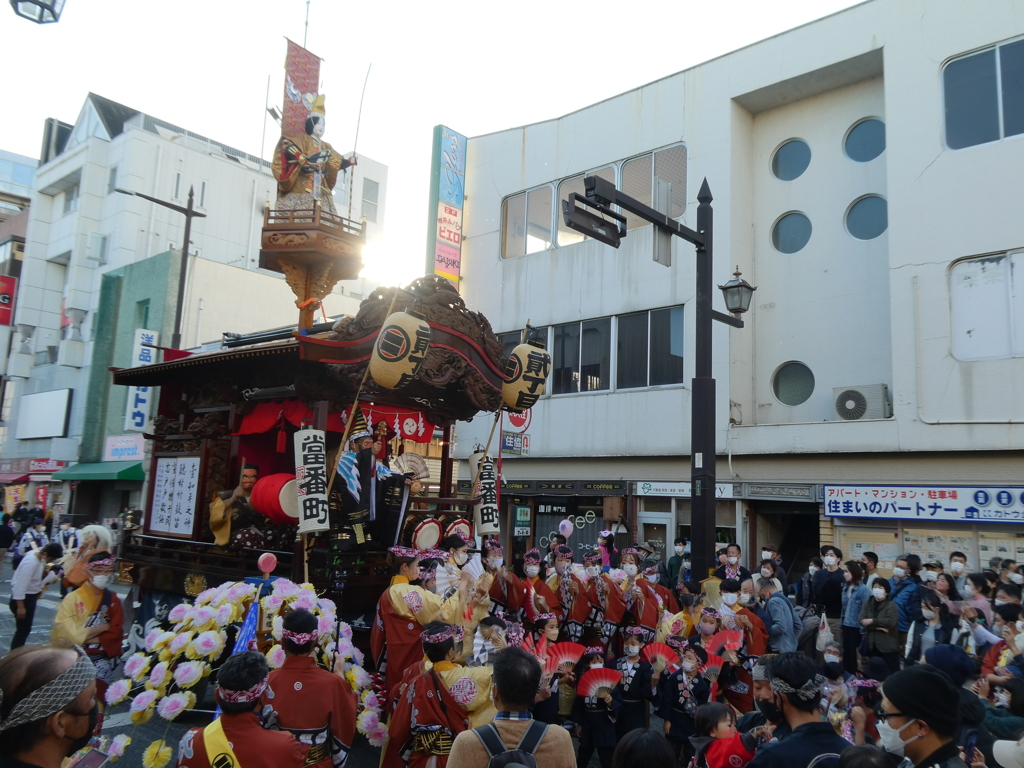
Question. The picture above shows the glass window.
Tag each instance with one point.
(202, 194)
(793, 383)
(670, 166)
(972, 108)
(565, 359)
(667, 346)
(631, 347)
(177, 185)
(514, 226)
(371, 189)
(538, 220)
(637, 182)
(568, 236)
(509, 341)
(1011, 76)
(112, 180)
(868, 217)
(791, 233)
(791, 160)
(71, 199)
(865, 141)
(595, 355)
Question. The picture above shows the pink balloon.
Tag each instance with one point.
(565, 528)
(267, 562)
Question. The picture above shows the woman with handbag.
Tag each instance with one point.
(880, 619)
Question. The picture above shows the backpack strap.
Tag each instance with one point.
(491, 739)
(533, 737)
(819, 758)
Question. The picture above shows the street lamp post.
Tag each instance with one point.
(592, 215)
(189, 213)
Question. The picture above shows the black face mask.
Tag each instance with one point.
(81, 741)
(769, 710)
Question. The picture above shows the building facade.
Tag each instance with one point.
(862, 168)
(102, 267)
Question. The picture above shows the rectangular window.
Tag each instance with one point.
(631, 347)
(568, 236)
(987, 307)
(984, 95)
(371, 189)
(667, 346)
(71, 199)
(513, 224)
(112, 180)
(527, 222)
(565, 353)
(97, 248)
(202, 194)
(581, 357)
(142, 314)
(650, 348)
(177, 185)
(509, 341)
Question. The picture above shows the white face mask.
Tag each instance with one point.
(890, 737)
(831, 658)
(679, 550)
(64, 526)
(733, 560)
(766, 572)
(596, 665)
(632, 650)
(686, 565)
(745, 598)
(957, 568)
(898, 572)
(689, 666)
(495, 563)
(829, 560)
(532, 570)
(812, 569)
(969, 590)
(929, 576)
(461, 558)
(653, 578)
(730, 598)
(1017, 578)
(878, 592)
(1020, 626)
(766, 555)
(927, 614)
(1000, 602)
(629, 569)
(1003, 699)
(593, 571)
(101, 581)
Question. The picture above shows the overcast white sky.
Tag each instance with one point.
(474, 66)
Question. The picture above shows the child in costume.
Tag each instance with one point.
(539, 597)
(593, 716)
(544, 635)
(639, 685)
(682, 692)
(717, 742)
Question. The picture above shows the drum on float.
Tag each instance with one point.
(422, 533)
(276, 498)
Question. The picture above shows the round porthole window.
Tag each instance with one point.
(791, 160)
(865, 141)
(791, 233)
(868, 217)
(793, 383)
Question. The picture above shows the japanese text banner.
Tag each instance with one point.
(925, 502)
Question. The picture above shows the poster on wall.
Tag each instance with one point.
(13, 496)
(1005, 546)
(172, 510)
(931, 545)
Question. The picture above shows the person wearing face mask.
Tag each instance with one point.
(449, 575)
(880, 619)
(953, 661)
(606, 606)
(1004, 706)
(869, 564)
(786, 626)
(769, 570)
(1008, 573)
(666, 599)
(754, 631)
(92, 616)
(638, 686)
(681, 693)
(855, 594)
(795, 693)
(32, 540)
(539, 597)
(977, 594)
(732, 568)
(906, 592)
(570, 593)
(996, 666)
(707, 625)
(916, 720)
(750, 599)
(935, 627)
(593, 715)
(958, 569)
(765, 715)
(609, 554)
(545, 634)
(640, 600)
(676, 562)
(1007, 594)
(507, 591)
(770, 551)
(48, 709)
(930, 572)
(827, 588)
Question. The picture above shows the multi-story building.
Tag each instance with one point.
(100, 266)
(864, 173)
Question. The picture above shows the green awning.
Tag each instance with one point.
(103, 470)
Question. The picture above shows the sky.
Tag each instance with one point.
(476, 67)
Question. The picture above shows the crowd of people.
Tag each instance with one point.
(567, 663)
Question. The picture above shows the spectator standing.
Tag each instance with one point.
(785, 625)
(977, 592)
(796, 692)
(91, 539)
(22, 518)
(949, 594)
(906, 593)
(769, 570)
(855, 594)
(750, 599)
(732, 568)
(916, 719)
(516, 679)
(869, 562)
(33, 539)
(958, 567)
(803, 595)
(770, 551)
(675, 563)
(935, 627)
(26, 584)
(954, 662)
(7, 535)
(995, 665)
(827, 588)
(880, 619)
(609, 554)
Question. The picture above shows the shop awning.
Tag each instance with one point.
(103, 470)
(12, 477)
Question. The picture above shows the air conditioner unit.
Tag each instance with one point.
(868, 401)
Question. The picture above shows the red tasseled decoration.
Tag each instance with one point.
(282, 435)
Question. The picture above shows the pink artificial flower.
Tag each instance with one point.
(179, 613)
(189, 673)
(275, 657)
(324, 626)
(179, 642)
(377, 735)
(118, 744)
(117, 692)
(362, 678)
(151, 639)
(204, 597)
(208, 644)
(304, 601)
(277, 627)
(225, 613)
(158, 676)
(358, 657)
(370, 701)
(345, 648)
(327, 606)
(172, 706)
(136, 666)
(203, 615)
(240, 592)
(285, 588)
(144, 700)
(272, 603)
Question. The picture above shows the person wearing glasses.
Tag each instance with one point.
(915, 720)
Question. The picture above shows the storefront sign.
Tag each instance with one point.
(448, 182)
(486, 513)
(311, 480)
(42, 494)
(798, 492)
(680, 490)
(605, 487)
(9, 466)
(140, 399)
(124, 448)
(45, 465)
(556, 485)
(522, 527)
(515, 443)
(8, 290)
(925, 502)
(13, 496)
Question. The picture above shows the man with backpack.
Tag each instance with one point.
(786, 626)
(514, 738)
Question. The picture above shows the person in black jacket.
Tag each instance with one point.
(827, 589)
(6, 535)
(732, 568)
(936, 627)
(803, 587)
(954, 662)
(916, 720)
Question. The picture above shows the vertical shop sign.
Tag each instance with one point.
(447, 198)
(140, 399)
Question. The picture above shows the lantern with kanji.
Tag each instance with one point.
(400, 349)
(526, 373)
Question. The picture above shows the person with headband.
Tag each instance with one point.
(539, 597)
(405, 608)
(641, 601)
(317, 706)
(666, 600)
(570, 594)
(605, 601)
(507, 592)
(48, 707)
(795, 694)
(92, 616)
(238, 738)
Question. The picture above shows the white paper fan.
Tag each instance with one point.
(412, 463)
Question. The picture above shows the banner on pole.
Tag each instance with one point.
(486, 512)
(311, 480)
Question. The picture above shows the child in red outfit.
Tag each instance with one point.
(717, 742)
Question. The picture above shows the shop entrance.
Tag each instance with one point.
(793, 527)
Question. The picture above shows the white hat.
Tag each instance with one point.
(1009, 754)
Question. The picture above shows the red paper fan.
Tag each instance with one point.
(563, 657)
(728, 639)
(659, 653)
(713, 668)
(595, 679)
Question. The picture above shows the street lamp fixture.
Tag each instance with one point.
(737, 293)
(39, 11)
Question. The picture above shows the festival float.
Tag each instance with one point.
(302, 442)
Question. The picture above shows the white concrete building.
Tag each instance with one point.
(864, 171)
(82, 232)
